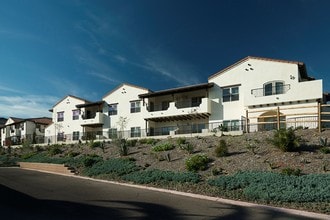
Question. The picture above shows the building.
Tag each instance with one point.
(17, 131)
(67, 120)
(126, 112)
(253, 94)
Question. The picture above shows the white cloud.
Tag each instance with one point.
(171, 68)
(107, 78)
(27, 106)
(7, 89)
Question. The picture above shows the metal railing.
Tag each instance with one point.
(275, 90)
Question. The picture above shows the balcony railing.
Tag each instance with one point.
(179, 108)
(97, 119)
(274, 90)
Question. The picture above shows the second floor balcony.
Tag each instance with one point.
(180, 111)
(93, 119)
(271, 90)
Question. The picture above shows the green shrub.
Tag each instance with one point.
(181, 140)
(122, 144)
(197, 162)
(163, 147)
(132, 142)
(150, 141)
(95, 144)
(72, 154)
(268, 186)
(54, 150)
(325, 150)
(90, 160)
(156, 176)
(187, 147)
(117, 166)
(285, 140)
(290, 171)
(221, 150)
(27, 155)
(323, 142)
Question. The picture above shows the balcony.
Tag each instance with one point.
(273, 90)
(93, 120)
(294, 92)
(180, 111)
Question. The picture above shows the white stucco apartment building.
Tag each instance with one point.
(250, 95)
(16, 131)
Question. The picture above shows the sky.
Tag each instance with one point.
(86, 48)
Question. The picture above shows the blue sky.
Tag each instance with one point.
(49, 49)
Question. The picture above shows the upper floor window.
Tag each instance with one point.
(113, 109)
(273, 88)
(60, 116)
(135, 106)
(230, 94)
(75, 114)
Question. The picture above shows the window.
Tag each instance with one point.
(273, 88)
(135, 132)
(230, 94)
(60, 136)
(196, 101)
(60, 116)
(75, 135)
(113, 133)
(75, 114)
(231, 125)
(135, 106)
(113, 109)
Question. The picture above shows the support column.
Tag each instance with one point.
(278, 118)
(319, 121)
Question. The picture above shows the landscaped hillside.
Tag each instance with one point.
(247, 167)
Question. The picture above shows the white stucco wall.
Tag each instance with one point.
(68, 125)
(123, 95)
(253, 74)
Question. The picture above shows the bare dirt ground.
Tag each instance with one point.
(252, 151)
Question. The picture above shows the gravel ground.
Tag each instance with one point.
(263, 157)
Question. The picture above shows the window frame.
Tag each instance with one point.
(229, 94)
(273, 88)
(135, 106)
(113, 109)
(135, 131)
(75, 114)
(75, 135)
(59, 118)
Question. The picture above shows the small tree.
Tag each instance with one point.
(285, 140)
(221, 150)
(122, 123)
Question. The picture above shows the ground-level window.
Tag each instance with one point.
(60, 136)
(113, 133)
(230, 94)
(135, 106)
(197, 128)
(60, 116)
(231, 125)
(135, 132)
(75, 135)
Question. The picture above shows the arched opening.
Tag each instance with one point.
(268, 120)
